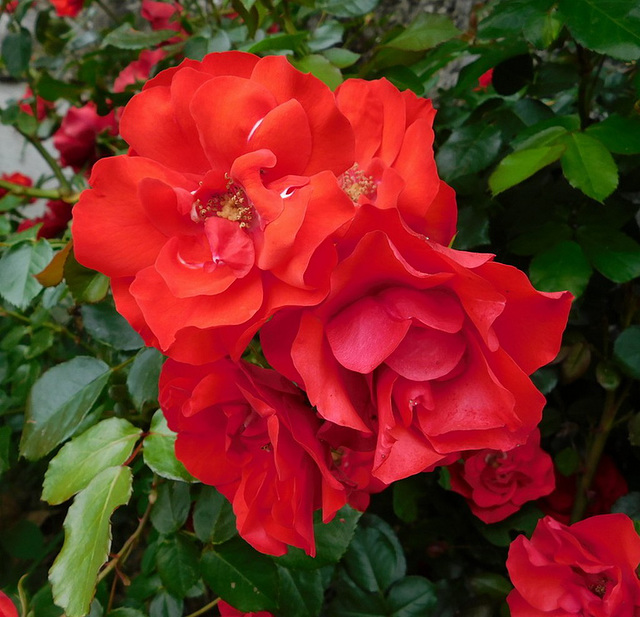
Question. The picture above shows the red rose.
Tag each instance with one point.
(588, 568)
(138, 70)
(226, 610)
(422, 350)
(76, 139)
(251, 434)
(161, 15)
(484, 81)
(54, 220)
(7, 608)
(227, 206)
(497, 484)
(67, 8)
(607, 487)
(42, 106)
(17, 178)
(394, 163)
(9, 7)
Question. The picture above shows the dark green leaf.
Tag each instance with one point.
(126, 612)
(16, 51)
(23, 540)
(611, 27)
(171, 508)
(567, 461)
(626, 351)
(142, 380)
(52, 89)
(301, 592)
(563, 267)
(491, 584)
(242, 576)
(278, 42)
(5, 440)
(406, 494)
(468, 150)
(412, 596)
(541, 238)
(613, 253)
(508, 18)
(351, 601)
(628, 504)
(213, 518)
(519, 166)
(512, 74)
(166, 605)
(126, 37)
(106, 444)
(84, 284)
(425, 32)
(328, 34)
(105, 324)
(87, 539)
(608, 376)
(17, 269)
(619, 134)
(502, 533)
(178, 564)
(58, 403)
(347, 8)
(545, 379)
(158, 451)
(589, 166)
(473, 228)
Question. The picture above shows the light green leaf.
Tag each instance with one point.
(347, 8)
(87, 540)
(321, 68)
(425, 32)
(560, 268)
(17, 269)
(548, 136)
(59, 401)
(619, 134)
(126, 37)
(610, 27)
(589, 166)
(278, 42)
(519, 166)
(241, 576)
(84, 284)
(612, 253)
(105, 444)
(159, 453)
(142, 380)
(342, 58)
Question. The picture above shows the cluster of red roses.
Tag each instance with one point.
(255, 199)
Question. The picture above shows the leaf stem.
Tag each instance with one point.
(34, 191)
(66, 189)
(204, 609)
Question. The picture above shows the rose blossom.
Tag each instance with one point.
(226, 610)
(16, 178)
(226, 206)
(496, 484)
(423, 351)
(251, 434)
(67, 8)
(54, 220)
(7, 608)
(76, 139)
(161, 15)
(138, 70)
(484, 81)
(394, 163)
(588, 568)
(42, 106)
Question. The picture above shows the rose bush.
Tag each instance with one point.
(422, 352)
(588, 568)
(496, 484)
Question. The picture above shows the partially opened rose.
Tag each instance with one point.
(252, 435)
(423, 351)
(496, 484)
(226, 207)
(587, 569)
(7, 607)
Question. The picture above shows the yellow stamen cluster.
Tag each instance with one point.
(232, 205)
(355, 183)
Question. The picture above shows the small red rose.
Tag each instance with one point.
(67, 8)
(54, 220)
(16, 178)
(7, 607)
(588, 568)
(42, 106)
(496, 484)
(138, 70)
(226, 610)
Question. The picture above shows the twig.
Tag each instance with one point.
(204, 609)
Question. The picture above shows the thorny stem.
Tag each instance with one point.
(53, 164)
(204, 609)
(32, 191)
(595, 450)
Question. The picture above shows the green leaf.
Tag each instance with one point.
(126, 37)
(613, 253)
(567, 461)
(490, 584)
(347, 8)
(468, 150)
(543, 29)
(59, 401)
(541, 238)
(171, 508)
(619, 134)
(524, 520)
(519, 166)
(159, 453)
(544, 136)
(473, 228)
(142, 380)
(105, 444)
(406, 494)
(342, 58)
(84, 284)
(589, 166)
(166, 605)
(87, 539)
(178, 565)
(332, 540)
(628, 504)
(52, 89)
(626, 351)
(23, 540)
(17, 269)
(324, 36)
(412, 596)
(126, 612)
(564, 266)
(241, 576)
(610, 27)
(213, 518)
(425, 32)
(374, 560)
(278, 42)
(5, 441)
(508, 18)
(106, 325)
(301, 592)
(16, 51)
(321, 68)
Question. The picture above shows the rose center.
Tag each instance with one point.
(231, 204)
(355, 183)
